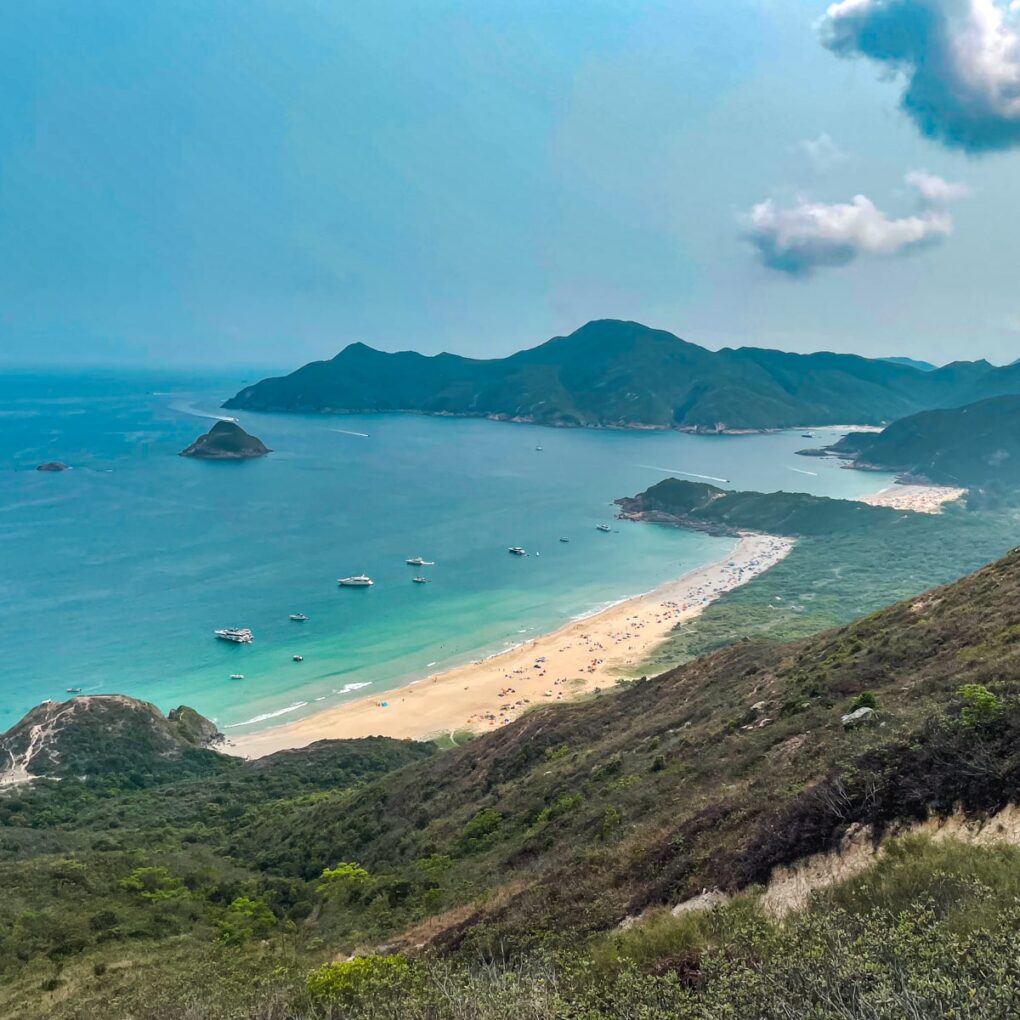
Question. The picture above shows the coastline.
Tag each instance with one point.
(583, 656)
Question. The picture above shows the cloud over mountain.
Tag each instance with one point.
(960, 60)
(809, 235)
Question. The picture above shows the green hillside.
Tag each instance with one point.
(509, 862)
(707, 508)
(612, 373)
(977, 446)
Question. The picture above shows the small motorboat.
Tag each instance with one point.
(236, 676)
(298, 658)
(603, 527)
(564, 539)
(298, 617)
(516, 550)
(74, 690)
(358, 581)
(538, 449)
(421, 580)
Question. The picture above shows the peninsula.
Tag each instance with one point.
(226, 440)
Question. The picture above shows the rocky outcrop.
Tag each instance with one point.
(54, 465)
(226, 440)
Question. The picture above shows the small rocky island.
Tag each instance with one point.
(54, 465)
(226, 440)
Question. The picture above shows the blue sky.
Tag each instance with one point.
(265, 181)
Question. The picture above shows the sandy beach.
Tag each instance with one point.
(922, 499)
(583, 656)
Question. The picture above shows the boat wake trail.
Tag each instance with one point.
(675, 471)
(801, 471)
(346, 432)
(197, 412)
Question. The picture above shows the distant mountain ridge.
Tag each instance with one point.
(611, 373)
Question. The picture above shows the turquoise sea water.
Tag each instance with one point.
(114, 575)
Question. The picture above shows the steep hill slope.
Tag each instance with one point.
(614, 373)
(554, 828)
(973, 446)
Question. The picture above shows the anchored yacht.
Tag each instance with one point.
(420, 580)
(516, 550)
(358, 581)
(239, 635)
(417, 561)
(298, 617)
(604, 527)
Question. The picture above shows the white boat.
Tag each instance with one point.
(420, 580)
(236, 676)
(358, 581)
(516, 550)
(238, 635)
(564, 539)
(604, 527)
(417, 561)
(538, 449)
(74, 690)
(298, 617)
(298, 658)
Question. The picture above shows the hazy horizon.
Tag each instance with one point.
(262, 185)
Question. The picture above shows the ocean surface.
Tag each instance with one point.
(114, 575)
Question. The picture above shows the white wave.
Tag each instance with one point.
(267, 715)
(348, 687)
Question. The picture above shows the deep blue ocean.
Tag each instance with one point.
(114, 575)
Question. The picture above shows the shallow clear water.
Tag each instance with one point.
(114, 575)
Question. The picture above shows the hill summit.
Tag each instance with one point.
(619, 374)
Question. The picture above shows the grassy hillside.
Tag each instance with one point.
(977, 446)
(625, 374)
(526, 847)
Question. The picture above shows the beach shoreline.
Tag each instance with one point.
(587, 654)
(921, 499)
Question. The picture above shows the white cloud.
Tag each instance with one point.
(823, 152)
(934, 190)
(960, 60)
(809, 235)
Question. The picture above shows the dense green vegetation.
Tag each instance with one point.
(622, 373)
(834, 576)
(509, 861)
(977, 446)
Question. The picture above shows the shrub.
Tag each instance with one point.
(479, 832)
(343, 882)
(980, 706)
(866, 699)
(363, 979)
(244, 920)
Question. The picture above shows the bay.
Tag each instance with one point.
(114, 575)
